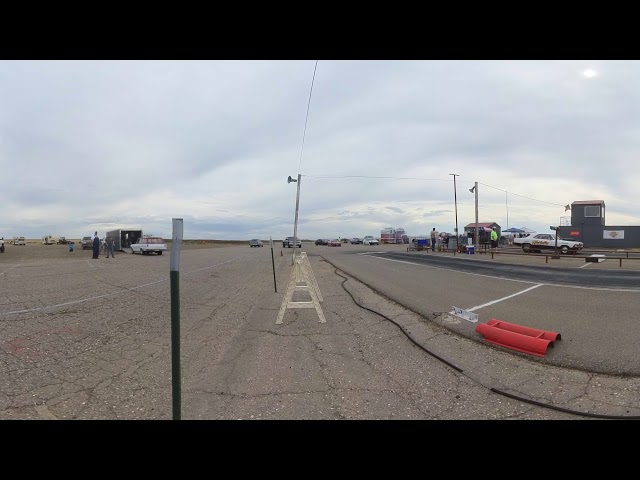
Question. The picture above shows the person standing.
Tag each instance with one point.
(494, 238)
(109, 244)
(434, 238)
(96, 245)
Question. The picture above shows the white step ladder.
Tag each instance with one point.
(303, 274)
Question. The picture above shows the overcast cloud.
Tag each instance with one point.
(95, 145)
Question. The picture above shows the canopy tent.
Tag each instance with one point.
(513, 230)
(527, 230)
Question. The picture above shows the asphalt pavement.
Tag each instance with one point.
(87, 339)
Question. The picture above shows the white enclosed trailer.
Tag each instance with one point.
(123, 238)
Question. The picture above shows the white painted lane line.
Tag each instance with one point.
(559, 285)
(451, 270)
(119, 292)
(504, 298)
(585, 265)
(89, 263)
(10, 269)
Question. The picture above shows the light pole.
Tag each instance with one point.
(295, 223)
(455, 200)
(476, 240)
(506, 203)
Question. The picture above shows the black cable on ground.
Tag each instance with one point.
(492, 389)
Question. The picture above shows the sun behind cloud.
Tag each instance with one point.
(589, 73)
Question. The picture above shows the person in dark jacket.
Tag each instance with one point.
(96, 245)
(109, 245)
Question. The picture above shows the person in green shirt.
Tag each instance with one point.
(494, 238)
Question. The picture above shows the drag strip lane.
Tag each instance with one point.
(598, 323)
(608, 279)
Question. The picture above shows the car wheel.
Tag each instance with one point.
(159, 253)
(564, 249)
(526, 247)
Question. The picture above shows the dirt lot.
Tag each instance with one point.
(34, 249)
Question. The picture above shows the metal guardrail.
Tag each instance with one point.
(555, 255)
(609, 255)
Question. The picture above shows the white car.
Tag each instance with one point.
(147, 245)
(369, 240)
(547, 241)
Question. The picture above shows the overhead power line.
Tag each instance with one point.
(566, 207)
(523, 196)
(367, 176)
(307, 116)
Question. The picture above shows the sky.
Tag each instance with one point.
(97, 145)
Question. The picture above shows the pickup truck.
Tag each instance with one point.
(86, 242)
(536, 242)
(288, 242)
(148, 244)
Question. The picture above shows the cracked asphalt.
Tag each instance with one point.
(90, 339)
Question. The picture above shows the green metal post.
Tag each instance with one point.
(273, 264)
(174, 276)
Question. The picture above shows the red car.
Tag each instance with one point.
(335, 243)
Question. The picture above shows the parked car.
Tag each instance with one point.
(356, 241)
(322, 241)
(369, 240)
(149, 244)
(19, 241)
(288, 242)
(255, 242)
(335, 243)
(547, 241)
(86, 242)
